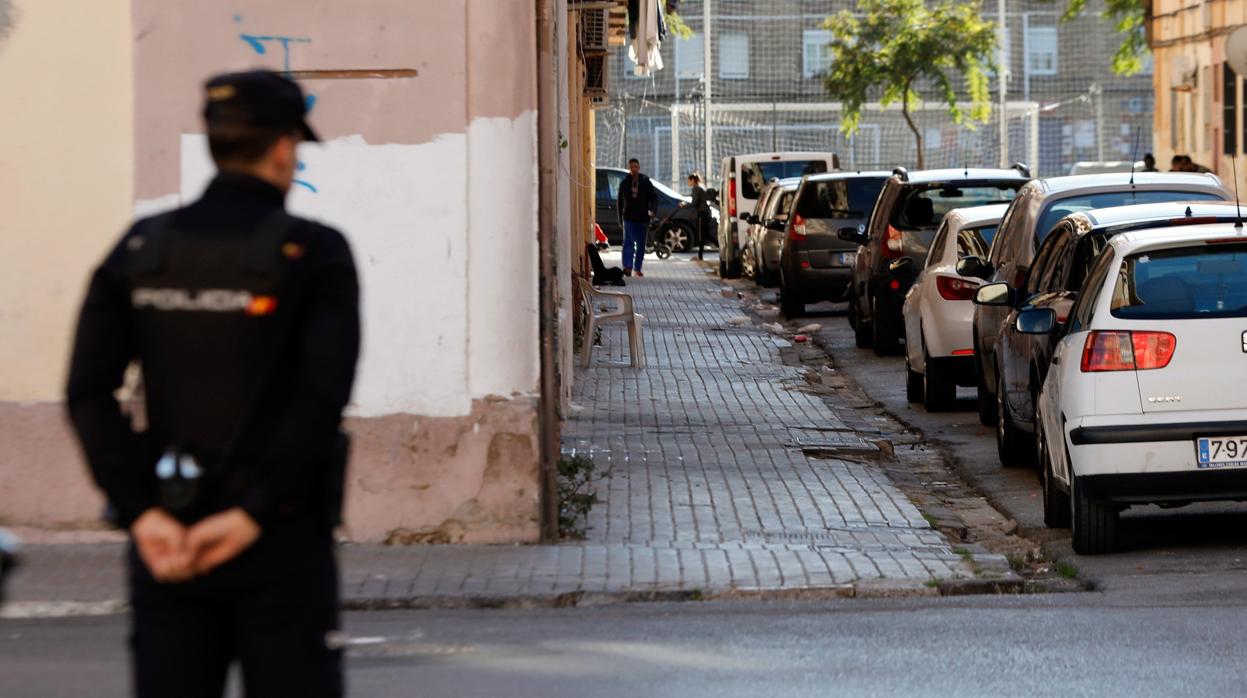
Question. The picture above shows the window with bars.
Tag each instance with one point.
(815, 53)
(1041, 50)
(734, 56)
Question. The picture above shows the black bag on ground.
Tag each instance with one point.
(602, 276)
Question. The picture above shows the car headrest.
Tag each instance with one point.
(920, 212)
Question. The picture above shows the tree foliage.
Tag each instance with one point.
(1129, 18)
(892, 48)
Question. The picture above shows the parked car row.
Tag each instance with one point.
(674, 224)
(1102, 320)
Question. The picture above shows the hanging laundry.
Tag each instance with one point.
(644, 47)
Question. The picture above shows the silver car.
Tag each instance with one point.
(764, 239)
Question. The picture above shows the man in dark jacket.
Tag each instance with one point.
(245, 322)
(637, 202)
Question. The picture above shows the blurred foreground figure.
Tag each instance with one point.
(245, 322)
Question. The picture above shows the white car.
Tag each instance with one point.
(938, 309)
(1146, 398)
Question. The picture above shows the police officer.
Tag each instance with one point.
(245, 322)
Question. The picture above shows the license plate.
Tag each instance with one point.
(1221, 452)
(846, 259)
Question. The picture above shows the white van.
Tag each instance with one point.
(741, 180)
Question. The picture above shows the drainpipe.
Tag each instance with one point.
(547, 201)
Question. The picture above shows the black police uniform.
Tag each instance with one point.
(245, 320)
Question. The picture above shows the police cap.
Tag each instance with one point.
(256, 99)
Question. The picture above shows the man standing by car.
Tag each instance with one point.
(245, 321)
(637, 201)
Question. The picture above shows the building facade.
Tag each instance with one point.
(430, 166)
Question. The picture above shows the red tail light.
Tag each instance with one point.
(955, 288)
(1118, 350)
(796, 229)
(892, 244)
(731, 197)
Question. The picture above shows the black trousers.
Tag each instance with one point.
(274, 610)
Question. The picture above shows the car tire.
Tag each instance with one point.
(790, 304)
(1093, 522)
(722, 268)
(1056, 513)
(913, 383)
(767, 277)
(1010, 441)
(883, 339)
(679, 237)
(986, 400)
(938, 387)
(733, 267)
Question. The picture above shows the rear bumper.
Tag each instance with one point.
(1146, 488)
(813, 285)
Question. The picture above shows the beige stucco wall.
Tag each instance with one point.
(66, 152)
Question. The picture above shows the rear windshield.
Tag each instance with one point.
(755, 175)
(923, 207)
(851, 197)
(1189, 282)
(1060, 208)
(975, 241)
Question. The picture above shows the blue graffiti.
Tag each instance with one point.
(310, 187)
(309, 102)
(257, 43)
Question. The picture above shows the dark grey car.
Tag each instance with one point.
(815, 263)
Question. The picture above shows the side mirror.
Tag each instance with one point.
(974, 267)
(901, 267)
(779, 226)
(856, 236)
(748, 218)
(1036, 321)
(999, 293)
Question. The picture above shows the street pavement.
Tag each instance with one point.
(1060, 645)
(720, 474)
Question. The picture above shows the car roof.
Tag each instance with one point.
(956, 174)
(974, 216)
(786, 155)
(1167, 210)
(1115, 181)
(848, 174)
(1171, 236)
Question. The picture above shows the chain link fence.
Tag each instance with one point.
(766, 94)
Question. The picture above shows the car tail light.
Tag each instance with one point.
(963, 352)
(796, 229)
(1118, 350)
(955, 288)
(731, 197)
(892, 244)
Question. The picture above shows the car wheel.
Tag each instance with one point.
(940, 390)
(722, 268)
(1093, 522)
(883, 338)
(986, 401)
(913, 382)
(790, 303)
(678, 237)
(747, 267)
(1055, 502)
(767, 277)
(1010, 441)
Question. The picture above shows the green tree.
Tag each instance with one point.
(891, 47)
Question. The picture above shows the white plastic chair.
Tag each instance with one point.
(624, 312)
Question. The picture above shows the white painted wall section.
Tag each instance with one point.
(402, 208)
(503, 349)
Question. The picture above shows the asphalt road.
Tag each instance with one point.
(1201, 548)
(1089, 644)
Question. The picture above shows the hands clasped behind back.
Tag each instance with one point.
(174, 552)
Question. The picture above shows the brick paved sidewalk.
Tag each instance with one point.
(707, 489)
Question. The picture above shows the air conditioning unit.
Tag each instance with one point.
(596, 77)
(594, 34)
